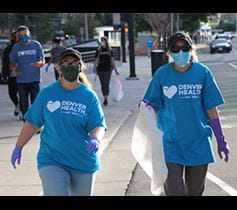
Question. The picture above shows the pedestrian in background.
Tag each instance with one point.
(74, 125)
(185, 95)
(56, 52)
(150, 45)
(104, 64)
(11, 78)
(26, 59)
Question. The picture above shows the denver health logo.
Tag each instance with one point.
(184, 91)
(26, 52)
(67, 107)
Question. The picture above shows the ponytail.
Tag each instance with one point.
(83, 78)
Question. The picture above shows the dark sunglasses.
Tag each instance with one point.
(184, 48)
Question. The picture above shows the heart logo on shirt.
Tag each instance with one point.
(22, 52)
(53, 106)
(170, 91)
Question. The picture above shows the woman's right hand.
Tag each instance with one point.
(149, 104)
(16, 155)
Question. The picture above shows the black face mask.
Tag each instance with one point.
(70, 73)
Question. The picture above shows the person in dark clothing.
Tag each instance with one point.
(12, 85)
(104, 64)
(56, 52)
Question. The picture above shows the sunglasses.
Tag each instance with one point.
(184, 48)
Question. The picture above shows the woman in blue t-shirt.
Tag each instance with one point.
(185, 95)
(73, 123)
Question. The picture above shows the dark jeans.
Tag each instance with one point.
(12, 90)
(104, 77)
(25, 90)
(192, 184)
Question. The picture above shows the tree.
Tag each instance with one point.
(160, 23)
(192, 21)
(141, 24)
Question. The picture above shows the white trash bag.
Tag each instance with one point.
(147, 148)
(117, 91)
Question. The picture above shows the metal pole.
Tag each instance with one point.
(86, 27)
(177, 21)
(123, 43)
(236, 22)
(132, 75)
(171, 23)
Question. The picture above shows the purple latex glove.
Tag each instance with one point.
(149, 104)
(220, 138)
(93, 145)
(16, 155)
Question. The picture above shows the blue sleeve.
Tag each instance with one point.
(35, 114)
(95, 116)
(211, 94)
(13, 55)
(154, 92)
(40, 51)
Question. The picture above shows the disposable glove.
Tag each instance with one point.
(149, 104)
(16, 155)
(222, 145)
(93, 145)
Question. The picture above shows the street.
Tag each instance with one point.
(120, 175)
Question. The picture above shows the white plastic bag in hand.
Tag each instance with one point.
(147, 148)
(117, 90)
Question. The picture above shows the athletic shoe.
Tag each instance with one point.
(105, 102)
(17, 110)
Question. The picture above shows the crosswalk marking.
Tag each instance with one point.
(227, 126)
(234, 66)
(228, 117)
(228, 110)
(223, 185)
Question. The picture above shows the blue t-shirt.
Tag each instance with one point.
(183, 99)
(24, 56)
(67, 116)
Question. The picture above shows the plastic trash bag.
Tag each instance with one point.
(147, 148)
(117, 91)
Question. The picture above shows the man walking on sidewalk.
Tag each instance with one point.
(26, 57)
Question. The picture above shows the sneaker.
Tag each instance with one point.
(20, 116)
(17, 110)
(105, 102)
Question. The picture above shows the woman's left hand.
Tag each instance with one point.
(93, 145)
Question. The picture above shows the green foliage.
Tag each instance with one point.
(192, 21)
(140, 24)
(227, 26)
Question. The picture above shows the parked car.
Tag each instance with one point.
(229, 34)
(220, 45)
(223, 36)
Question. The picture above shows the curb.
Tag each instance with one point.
(106, 140)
